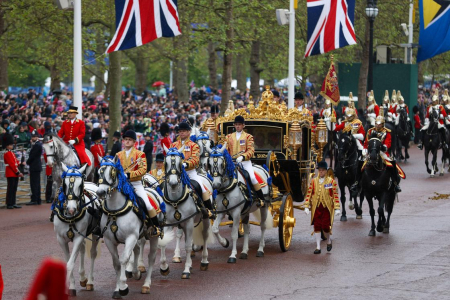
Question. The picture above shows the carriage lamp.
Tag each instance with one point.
(295, 137)
(321, 137)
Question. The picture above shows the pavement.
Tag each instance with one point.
(411, 262)
(23, 191)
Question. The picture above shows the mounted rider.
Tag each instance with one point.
(350, 104)
(72, 132)
(442, 115)
(352, 124)
(384, 134)
(446, 104)
(159, 171)
(387, 107)
(328, 114)
(211, 125)
(373, 109)
(191, 153)
(134, 164)
(240, 145)
(401, 105)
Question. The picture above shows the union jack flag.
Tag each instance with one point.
(139, 22)
(330, 25)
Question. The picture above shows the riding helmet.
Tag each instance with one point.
(116, 134)
(159, 157)
(298, 95)
(184, 126)
(130, 134)
(322, 165)
(239, 119)
(215, 109)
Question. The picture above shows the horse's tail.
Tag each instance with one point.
(168, 237)
(197, 235)
(88, 247)
(269, 219)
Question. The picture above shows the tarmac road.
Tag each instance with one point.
(412, 262)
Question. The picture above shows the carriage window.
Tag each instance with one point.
(266, 137)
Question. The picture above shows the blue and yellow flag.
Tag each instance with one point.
(434, 36)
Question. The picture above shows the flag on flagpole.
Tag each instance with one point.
(139, 22)
(434, 36)
(330, 87)
(330, 25)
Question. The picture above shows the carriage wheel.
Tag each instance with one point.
(286, 222)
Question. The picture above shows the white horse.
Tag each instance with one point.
(232, 195)
(73, 223)
(58, 152)
(182, 210)
(121, 224)
(204, 143)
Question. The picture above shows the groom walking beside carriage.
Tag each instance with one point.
(72, 132)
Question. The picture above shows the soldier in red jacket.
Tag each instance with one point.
(72, 132)
(49, 185)
(97, 150)
(12, 172)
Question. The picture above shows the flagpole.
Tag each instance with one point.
(291, 90)
(77, 55)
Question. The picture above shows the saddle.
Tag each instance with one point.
(246, 176)
(75, 151)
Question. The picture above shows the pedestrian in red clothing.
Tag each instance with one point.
(12, 172)
(164, 131)
(97, 150)
(49, 185)
(417, 125)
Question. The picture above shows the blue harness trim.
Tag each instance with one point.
(183, 176)
(230, 167)
(203, 136)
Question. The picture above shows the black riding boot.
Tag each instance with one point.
(260, 195)
(355, 188)
(154, 229)
(443, 144)
(209, 211)
(395, 177)
(420, 146)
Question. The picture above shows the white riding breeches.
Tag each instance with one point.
(384, 155)
(140, 191)
(425, 127)
(194, 176)
(247, 165)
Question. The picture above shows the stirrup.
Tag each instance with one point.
(397, 189)
(260, 203)
(154, 231)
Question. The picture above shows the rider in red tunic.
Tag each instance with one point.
(72, 132)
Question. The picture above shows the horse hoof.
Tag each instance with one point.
(145, 290)
(227, 244)
(176, 260)
(142, 269)
(358, 217)
(83, 283)
(89, 287)
(351, 206)
(343, 218)
(124, 292)
(128, 274)
(243, 256)
(259, 254)
(204, 267)
(372, 232)
(386, 230)
(441, 174)
(72, 293)
(380, 228)
(432, 176)
(231, 260)
(192, 254)
(358, 212)
(164, 272)
(116, 295)
(138, 277)
(186, 275)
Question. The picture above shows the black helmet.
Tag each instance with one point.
(239, 119)
(184, 126)
(298, 95)
(116, 134)
(215, 109)
(130, 134)
(322, 165)
(96, 134)
(276, 94)
(35, 133)
(159, 157)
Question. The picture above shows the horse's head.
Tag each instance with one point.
(108, 175)
(50, 148)
(221, 166)
(374, 148)
(434, 116)
(346, 143)
(173, 165)
(204, 143)
(73, 186)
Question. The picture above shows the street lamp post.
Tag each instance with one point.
(371, 12)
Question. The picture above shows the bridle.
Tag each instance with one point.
(431, 128)
(375, 145)
(346, 155)
(202, 139)
(55, 150)
(173, 169)
(112, 174)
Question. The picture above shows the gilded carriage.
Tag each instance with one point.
(286, 143)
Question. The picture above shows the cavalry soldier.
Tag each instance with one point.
(97, 150)
(372, 109)
(328, 114)
(191, 153)
(240, 145)
(442, 115)
(384, 135)
(72, 132)
(134, 165)
(401, 105)
(116, 147)
(299, 103)
(387, 107)
(159, 171)
(323, 201)
(350, 104)
(446, 104)
(12, 172)
(354, 125)
(211, 125)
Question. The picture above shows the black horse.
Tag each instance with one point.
(346, 168)
(376, 183)
(391, 126)
(403, 134)
(431, 141)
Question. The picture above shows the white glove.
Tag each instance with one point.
(358, 136)
(441, 116)
(72, 142)
(239, 159)
(407, 119)
(337, 212)
(326, 119)
(364, 152)
(307, 211)
(427, 121)
(390, 114)
(372, 115)
(185, 165)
